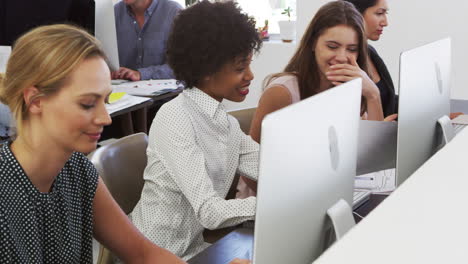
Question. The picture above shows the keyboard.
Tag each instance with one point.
(360, 197)
(458, 127)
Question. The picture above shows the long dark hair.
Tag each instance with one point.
(303, 64)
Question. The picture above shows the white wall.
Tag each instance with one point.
(417, 22)
(412, 23)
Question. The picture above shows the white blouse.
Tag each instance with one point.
(195, 149)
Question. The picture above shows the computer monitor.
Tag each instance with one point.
(307, 165)
(424, 97)
(106, 32)
(18, 17)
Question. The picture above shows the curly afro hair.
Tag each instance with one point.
(206, 36)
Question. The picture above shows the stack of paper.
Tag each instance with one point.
(461, 120)
(120, 101)
(147, 88)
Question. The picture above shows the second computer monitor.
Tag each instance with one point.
(424, 97)
(105, 31)
(307, 164)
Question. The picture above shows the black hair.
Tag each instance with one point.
(206, 36)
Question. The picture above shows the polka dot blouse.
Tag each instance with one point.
(194, 151)
(54, 227)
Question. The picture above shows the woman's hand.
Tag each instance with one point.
(341, 73)
(127, 74)
(392, 117)
(455, 115)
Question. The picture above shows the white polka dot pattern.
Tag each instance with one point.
(195, 149)
(54, 227)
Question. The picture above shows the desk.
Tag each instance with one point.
(423, 221)
(136, 118)
(132, 108)
(239, 243)
(155, 100)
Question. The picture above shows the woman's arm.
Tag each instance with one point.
(113, 229)
(341, 73)
(374, 105)
(272, 99)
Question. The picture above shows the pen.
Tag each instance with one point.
(364, 178)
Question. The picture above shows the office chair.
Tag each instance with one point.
(121, 165)
(244, 116)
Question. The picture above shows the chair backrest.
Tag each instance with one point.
(244, 116)
(121, 165)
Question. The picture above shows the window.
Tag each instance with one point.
(268, 10)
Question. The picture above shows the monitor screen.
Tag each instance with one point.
(19, 16)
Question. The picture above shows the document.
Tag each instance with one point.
(125, 101)
(147, 87)
(380, 182)
(461, 120)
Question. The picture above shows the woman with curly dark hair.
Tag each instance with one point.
(195, 148)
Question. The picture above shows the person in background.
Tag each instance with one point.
(53, 202)
(375, 17)
(333, 50)
(195, 148)
(5, 123)
(143, 27)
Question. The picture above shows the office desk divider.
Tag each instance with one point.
(377, 146)
(459, 105)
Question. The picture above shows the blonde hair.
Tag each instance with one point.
(44, 58)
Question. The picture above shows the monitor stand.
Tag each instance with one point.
(446, 128)
(341, 216)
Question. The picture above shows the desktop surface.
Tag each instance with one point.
(239, 243)
(423, 221)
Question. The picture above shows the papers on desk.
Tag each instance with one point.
(461, 120)
(147, 88)
(5, 52)
(376, 157)
(380, 182)
(124, 101)
(118, 81)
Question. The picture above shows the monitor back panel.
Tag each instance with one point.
(307, 163)
(424, 97)
(105, 31)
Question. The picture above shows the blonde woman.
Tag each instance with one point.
(53, 201)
